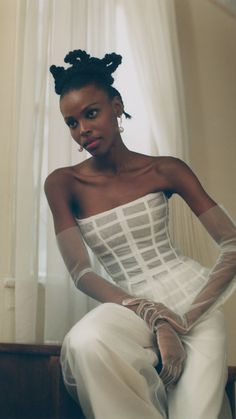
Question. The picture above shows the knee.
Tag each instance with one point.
(90, 332)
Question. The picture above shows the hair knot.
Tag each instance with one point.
(82, 66)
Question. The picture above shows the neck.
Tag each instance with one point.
(118, 159)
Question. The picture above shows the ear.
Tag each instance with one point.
(118, 106)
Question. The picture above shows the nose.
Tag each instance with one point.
(84, 128)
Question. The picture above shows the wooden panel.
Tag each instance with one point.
(31, 349)
(230, 389)
(31, 384)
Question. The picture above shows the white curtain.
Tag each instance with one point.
(153, 44)
(153, 39)
(47, 304)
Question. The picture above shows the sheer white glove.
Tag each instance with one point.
(76, 258)
(153, 313)
(74, 253)
(172, 353)
(222, 277)
(220, 281)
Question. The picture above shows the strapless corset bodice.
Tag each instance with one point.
(132, 242)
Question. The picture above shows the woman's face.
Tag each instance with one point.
(92, 118)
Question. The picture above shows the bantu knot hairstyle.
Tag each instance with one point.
(84, 65)
(85, 69)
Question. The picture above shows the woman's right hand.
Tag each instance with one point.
(172, 353)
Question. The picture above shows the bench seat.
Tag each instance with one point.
(31, 384)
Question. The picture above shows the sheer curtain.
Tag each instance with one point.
(153, 40)
(153, 44)
(47, 304)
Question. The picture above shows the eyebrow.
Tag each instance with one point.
(67, 118)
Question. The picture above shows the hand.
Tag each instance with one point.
(172, 353)
(152, 312)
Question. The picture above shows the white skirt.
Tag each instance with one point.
(109, 361)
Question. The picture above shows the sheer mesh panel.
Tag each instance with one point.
(106, 219)
(141, 254)
(138, 221)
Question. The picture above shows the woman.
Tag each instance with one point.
(156, 347)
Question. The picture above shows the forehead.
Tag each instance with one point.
(76, 101)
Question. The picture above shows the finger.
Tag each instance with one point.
(181, 369)
(176, 374)
(171, 374)
(169, 382)
(165, 372)
(166, 375)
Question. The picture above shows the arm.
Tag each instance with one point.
(71, 245)
(221, 277)
(76, 258)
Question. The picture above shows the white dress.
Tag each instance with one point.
(109, 357)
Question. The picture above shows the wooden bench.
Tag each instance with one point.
(31, 384)
(230, 389)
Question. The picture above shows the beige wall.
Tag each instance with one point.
(207, 37)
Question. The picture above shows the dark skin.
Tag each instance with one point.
(112, 176)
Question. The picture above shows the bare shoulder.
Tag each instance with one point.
(63, 178)
(181, 179)
(176, 172)
(58, 191)
(58, 184)
(168, 165)
(173, 170)
(59, 177)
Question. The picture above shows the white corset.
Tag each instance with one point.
(132, 242)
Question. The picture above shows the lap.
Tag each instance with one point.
(114, 324)
(111, 321)
(122, 332)
(206, 338)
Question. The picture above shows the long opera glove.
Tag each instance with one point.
(220, 282)
(74, 253)
(172, 353)
(77, 261)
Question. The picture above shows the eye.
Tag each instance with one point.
(72, 123)
(92, 113)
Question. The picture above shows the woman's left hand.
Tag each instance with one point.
(152, 312)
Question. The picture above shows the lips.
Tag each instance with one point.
(91, 143)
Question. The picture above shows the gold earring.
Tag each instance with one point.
(121, 129)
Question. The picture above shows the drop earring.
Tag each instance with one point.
(121, 129)
(80, 149)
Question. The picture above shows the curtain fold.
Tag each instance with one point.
(30, 81)
(47, 303)
(153, 38)
(153, 41)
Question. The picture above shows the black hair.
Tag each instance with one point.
(86, 70)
